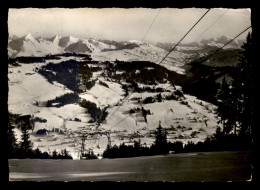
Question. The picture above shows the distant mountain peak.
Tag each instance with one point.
(56, 38)
(221, 40)
(53, 38)
(29, 37)
(135, 41)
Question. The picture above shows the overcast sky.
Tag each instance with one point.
(127, 24)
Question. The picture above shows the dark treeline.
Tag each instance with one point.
(203, 84)
(24, 148)
(149, 73)
(203, 74)
(69, 98)
(38, 154)
(124, 151)
(34, 59)
(67, 73)
(42, 59)
(176, 95)
(68, 54)
(26, 60)
(119, 45)
(96, 113)
(138, 89)
(235, 98)
(160, 146)
(90, 155)
(84, 70)
(218, 142)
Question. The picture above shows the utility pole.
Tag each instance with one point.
(108, 138)
(83, 139)
(84, 136)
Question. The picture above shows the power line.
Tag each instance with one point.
(119, 106)
(186, 62)
(207, 57)
(151, 25)
(211, 25)
(142, 40)
(167, 53)
(184, 36)
(148, 28)
(227, 43)
(119, 122)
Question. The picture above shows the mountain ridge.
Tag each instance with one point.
(29, 45)
(217, 42)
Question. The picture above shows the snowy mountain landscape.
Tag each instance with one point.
(130, 94)
(59, 81)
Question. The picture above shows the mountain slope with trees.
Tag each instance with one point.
(127, 99)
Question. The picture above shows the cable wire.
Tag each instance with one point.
(142, 40)
(184, 36)
(166, 54)
(227, 43)
(119, 122)
(211, 25)
(207, 57)
(186, 62)
(151, 25)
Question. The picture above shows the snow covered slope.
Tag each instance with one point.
(186, 119)
(145, 52)
(101, 50)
